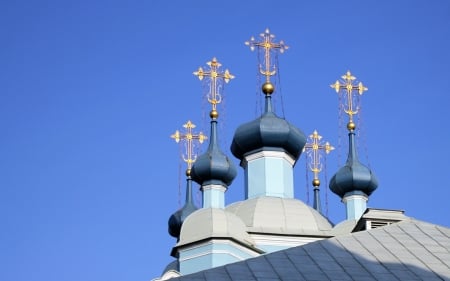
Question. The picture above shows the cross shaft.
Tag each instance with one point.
(348, 85)
(313, 148)
(215, 75)
(189, 137)
(268, 45)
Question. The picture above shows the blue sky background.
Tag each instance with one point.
(90, 92)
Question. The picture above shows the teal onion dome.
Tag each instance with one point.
(213, 167)
(353, 177)
(268, 132)
(176, 219)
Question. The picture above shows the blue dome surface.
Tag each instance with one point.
(213, 167)
(353, 176)
(176, 219)
(268, 132)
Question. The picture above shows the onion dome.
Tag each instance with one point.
(353, 177)
(213, 167)
(268, 132)
(176, 219)
(288, 216)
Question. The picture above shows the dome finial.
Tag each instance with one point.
(270, 67)
(348, 88)
(314, 149)
(216, 77)
(189, 139)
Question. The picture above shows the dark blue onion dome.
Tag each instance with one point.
(353, 177)
(176, 219)
(213, 167)
(268, 132)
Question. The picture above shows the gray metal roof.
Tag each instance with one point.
(213, 223)
(267, 214)
(408, 250)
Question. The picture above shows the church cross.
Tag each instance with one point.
(215, 75)
(313, 148)
(268, 45)
(350, 87)
(189, 137)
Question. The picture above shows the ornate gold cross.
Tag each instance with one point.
(189, 137)
(268, 46)
(348, 85)
(215, 76)
(313, 148)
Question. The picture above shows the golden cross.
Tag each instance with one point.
(349, 86)
(189, 138)
(214, 74)
(268, 45)
(313, 148)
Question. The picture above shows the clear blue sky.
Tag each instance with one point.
(91, 90)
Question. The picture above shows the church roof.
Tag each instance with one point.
(209, 223)
(286, 216)
(408, 250)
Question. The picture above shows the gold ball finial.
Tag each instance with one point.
(188, 172)
(351, 126)
(268, 88)
(214, 114)
(316, 182)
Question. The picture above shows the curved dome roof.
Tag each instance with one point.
(353, 176)
(213, 167)
(176, 219)
(213, 223)
(280, 215)
(269, 132)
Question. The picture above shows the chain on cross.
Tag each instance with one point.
(268, 45)
(189, 137)
(313, 148)
(349, 86)
(215, 75)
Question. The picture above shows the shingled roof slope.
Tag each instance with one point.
(408, 250)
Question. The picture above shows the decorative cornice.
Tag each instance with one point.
(347, 198)
(214, 187)
(216, 242)
(268, 153)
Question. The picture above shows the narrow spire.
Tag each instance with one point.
(350, 89)
(213, 170)
(216, 79)
(354, 182)
(189, 138)
(314, 149)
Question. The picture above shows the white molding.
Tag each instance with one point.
(284, 241)
(272, 154)
(218, 187)
(216, 242)
(168, 275)
(354, 197)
